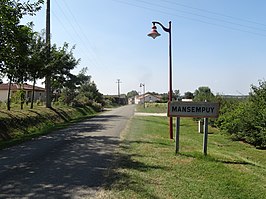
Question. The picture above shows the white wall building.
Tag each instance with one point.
(139, 99)
(39, 93)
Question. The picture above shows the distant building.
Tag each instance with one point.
(187, 100)
(131, 100)
(139, 99)
(39, 93)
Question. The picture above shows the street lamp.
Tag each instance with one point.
(155, 34)
(143, 85)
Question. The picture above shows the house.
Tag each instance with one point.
(39, 93)
(131, 100)
(147, 97)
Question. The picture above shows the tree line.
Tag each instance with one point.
(25, 56)
(244, 118)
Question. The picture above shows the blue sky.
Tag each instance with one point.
(220, 44)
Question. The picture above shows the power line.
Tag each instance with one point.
(71, 37)
(76, 32)
(81, 30)
(203, 16)
(215, 13)
(191, 19)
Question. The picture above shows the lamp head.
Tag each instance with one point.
(154, 32)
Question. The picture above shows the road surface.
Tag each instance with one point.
(69, 163)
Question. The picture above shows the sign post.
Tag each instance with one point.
(205, 136)
(196, 110)
(177, 130)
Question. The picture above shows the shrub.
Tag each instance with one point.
(246, 120)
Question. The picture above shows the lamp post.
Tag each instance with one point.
(155, 34)
(143, 85)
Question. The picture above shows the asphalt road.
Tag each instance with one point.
(69, 163)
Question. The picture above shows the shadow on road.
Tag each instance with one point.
(38, 169)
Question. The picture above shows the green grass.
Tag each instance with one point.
(18, 126)
(147, 167)
(152, 108)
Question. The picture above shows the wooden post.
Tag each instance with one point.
(48, 43)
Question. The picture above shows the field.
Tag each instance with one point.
(147, 166)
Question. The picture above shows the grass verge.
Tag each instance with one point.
(17, 126)
(147, 167)
(152, 108)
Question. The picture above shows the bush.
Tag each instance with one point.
(246, 120)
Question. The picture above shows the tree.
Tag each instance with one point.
(188, 95)
(203, 93)
(82, 78)
(73, 85)
(13, 37)
(176, 94)
(132, 93)
(11, 12)
(15, 66)
(89, 95)
(245, 119)
(36, 60)
(61, 62)
(165, 97)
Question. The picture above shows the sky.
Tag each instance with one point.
(220, 44)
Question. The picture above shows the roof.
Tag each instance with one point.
(25, 86)
(146, 95)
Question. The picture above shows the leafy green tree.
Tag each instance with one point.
(176, 94)
(13, 38)
(132, 93)
(188, 95)
(61, 62)
(72, 87)
(36, 60)
(245, 120)
(15, 67)
(203, 93)
(89, 89)
(11, 12)
(82, 78)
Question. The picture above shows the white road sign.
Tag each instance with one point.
(193, 109)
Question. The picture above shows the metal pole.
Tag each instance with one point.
(170, 69)
(170, 79)
(205, 138)
(177, 132)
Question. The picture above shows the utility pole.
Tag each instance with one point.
(118, 90)
(48, 43)
(143, 85)
(118, 87)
